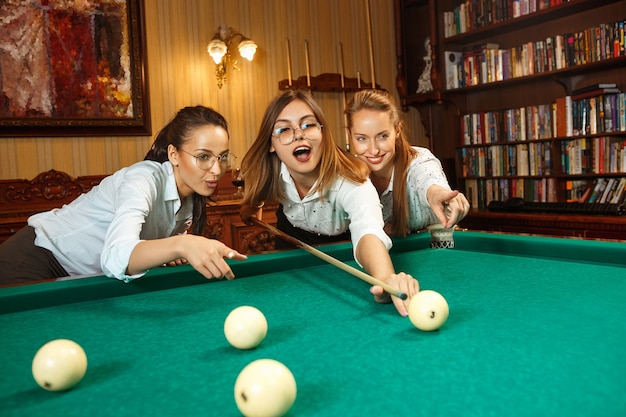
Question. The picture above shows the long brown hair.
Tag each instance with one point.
(261, 168)
(377, 100)
(176, 133)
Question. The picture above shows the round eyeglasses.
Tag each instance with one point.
(287, 134)
(206, 160)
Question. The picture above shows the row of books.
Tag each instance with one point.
(601, 155)
(602, 113)
(475, 14)
(601, 191)
(523, 159)
(480, 191)
(566, 117)
(519, 124)
(489, 63)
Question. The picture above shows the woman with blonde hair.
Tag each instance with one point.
(410, 180)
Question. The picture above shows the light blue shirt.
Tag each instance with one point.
(97, 232)
(346, 205)
(425, 170)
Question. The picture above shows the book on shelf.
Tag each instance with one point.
(597, 190)
(454, 68)
(607, 191)
(619, 191)
(564, 116)
(593, 116)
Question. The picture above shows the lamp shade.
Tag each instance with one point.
(217, 49)
(247, 49)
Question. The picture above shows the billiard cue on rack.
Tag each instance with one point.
(369, 38)
(333, 261)
(345, 99)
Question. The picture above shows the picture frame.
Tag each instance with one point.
(73, 69)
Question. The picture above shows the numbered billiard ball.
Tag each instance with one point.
(428, 310)
(59, 365)
(245, 327)
(265, 388)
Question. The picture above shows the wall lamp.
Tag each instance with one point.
(220, 47)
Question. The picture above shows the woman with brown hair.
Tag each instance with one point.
(325, 195)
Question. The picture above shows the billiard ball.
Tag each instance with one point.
(428, 310)
(245, 327)
(59, 365)
(265, 388)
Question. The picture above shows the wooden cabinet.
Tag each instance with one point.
(224, 224)
(499, 108)
(416, 23)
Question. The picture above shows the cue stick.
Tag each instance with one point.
(308, 65)
(333, 261)
(343, 92)
(288, 62)
(369, 37)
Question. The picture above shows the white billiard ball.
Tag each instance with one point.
(59, 365)
(265, 388)
(428, 310)
(245, 327)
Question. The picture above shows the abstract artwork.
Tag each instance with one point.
(72, 68)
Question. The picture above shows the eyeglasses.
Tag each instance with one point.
(287, 134)
(206, 160)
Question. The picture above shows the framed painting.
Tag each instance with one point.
(73, 68)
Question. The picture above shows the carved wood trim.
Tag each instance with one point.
(44, 192)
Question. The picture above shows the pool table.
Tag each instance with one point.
(537, 327)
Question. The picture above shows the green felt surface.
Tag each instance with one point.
(536, 328)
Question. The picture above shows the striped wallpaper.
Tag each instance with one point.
(181, 73)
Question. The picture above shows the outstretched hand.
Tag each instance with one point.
(403, 282)
(207, 257)
(449, 206)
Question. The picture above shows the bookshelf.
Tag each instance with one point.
(506, 103)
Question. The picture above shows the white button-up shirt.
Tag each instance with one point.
(424, 171)
(97, 232)
(346, 205)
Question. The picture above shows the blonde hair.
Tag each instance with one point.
(261, 168)
(377, 100)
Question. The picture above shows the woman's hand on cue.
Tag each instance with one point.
(403, 282)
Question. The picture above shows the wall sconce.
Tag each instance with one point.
(220, 47)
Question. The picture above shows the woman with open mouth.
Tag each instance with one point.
(325, 195)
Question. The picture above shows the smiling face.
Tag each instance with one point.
(302, 156)
(204, 140)
(373, 138)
